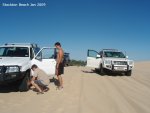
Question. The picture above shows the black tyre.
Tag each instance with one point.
(128, 73)
(24, 86)
(101, 70)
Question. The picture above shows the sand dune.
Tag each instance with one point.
(86, 92)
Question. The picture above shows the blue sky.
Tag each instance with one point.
(80, 25)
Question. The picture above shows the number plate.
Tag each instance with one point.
(119, 68)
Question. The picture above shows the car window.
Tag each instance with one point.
(2, 51)
(114, 54)
(46, 53)
(36, 50)
(14, 52)
(92, 53)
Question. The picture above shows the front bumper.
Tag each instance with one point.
(6, 78)
(119, 68)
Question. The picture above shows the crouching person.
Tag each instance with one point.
(40, 80)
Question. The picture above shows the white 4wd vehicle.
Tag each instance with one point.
(110, 59)
(17, 59)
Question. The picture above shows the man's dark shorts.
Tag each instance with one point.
(61, 69)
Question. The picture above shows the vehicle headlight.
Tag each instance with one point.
(12, 69)
(107, 62)
(131, 62)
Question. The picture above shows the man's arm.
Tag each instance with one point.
(33, 78)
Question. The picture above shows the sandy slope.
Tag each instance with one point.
(86, 92)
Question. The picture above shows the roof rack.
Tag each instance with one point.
(109, 50)
(30, 44)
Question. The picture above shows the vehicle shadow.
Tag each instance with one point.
(8, 88)
(92, 71)
(107, 73)
(55, 81)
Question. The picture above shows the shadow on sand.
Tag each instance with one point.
(107, 73)
(92, 71)
(8, 88)
(14, 87)
(55, 81)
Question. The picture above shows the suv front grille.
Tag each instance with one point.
(120, 63)
(0, 70)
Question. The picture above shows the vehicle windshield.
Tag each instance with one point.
(14, 52)
(114, 54)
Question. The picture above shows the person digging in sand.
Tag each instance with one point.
(39, 80)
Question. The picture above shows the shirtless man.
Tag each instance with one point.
(59, 65)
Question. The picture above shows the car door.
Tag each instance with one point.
(45, 60)
(93, 59)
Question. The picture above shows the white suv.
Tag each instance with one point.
(17, 59)
(110, 59)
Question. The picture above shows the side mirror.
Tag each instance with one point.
(127, 57)
(98, 56)
(39, 58)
